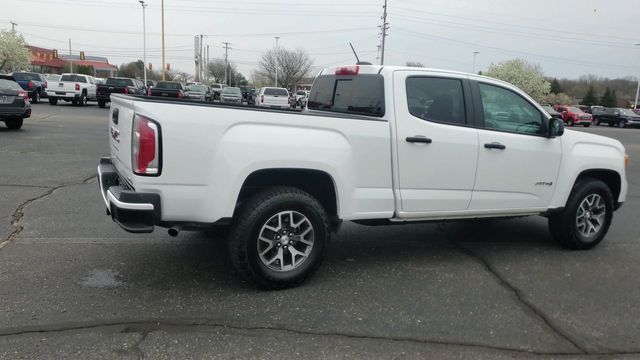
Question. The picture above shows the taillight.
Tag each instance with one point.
(24, 94)
(261, 99)
(149, 93)
(145, 146)
(348, 70)
(46, 84)
(30, 84)
(126, 90)
(180, 94)
(77, 87)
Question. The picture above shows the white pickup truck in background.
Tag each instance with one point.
(377, 145)
(74, 88)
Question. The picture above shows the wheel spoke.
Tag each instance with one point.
(274, 236)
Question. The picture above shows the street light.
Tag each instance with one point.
(144, 39)
(475, 53)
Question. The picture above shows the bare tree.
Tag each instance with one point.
(293, 66)
(216, 70)
(414, 64)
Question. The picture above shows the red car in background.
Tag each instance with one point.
(572, 115)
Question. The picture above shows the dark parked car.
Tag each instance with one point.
(35, 84)
(118, 85)
(170, 89)
(14, 102)
(247, 96)
(619, 117)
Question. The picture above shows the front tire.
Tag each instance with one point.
(585, 220)
(621, 124)
(102, 104)
(596, 121)
(570, 122)
(586, 125)
(82, 101)
(279, 237)
(14, 124)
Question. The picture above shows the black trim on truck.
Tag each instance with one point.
(135, 212)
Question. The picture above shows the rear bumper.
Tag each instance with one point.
(135, 212)
(16, 112)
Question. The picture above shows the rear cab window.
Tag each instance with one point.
(358, 94)
(119, 82)
(276, 92)
(76, 78)
(436, 99)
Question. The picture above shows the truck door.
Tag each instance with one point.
(518, 164)
(437, 144)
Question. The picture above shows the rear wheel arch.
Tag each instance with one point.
(317, 183)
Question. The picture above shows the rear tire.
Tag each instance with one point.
(53, 101)
(596, 121)
(102, 104)
(585, 220)
(621, 124)
(279, 237)
(82, 101)
(586, 125)
(14, 124)
(570, 122)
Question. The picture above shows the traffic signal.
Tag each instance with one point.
(55, 53)
(150, 66)
(82, 55)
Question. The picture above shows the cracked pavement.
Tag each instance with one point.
(73, 285)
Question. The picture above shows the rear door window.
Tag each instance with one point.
(436, 99)
(360, 94)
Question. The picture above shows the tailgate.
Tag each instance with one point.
(120, 127)
(63, 86)
(276, 100)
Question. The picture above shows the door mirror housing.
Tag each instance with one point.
(556, 127)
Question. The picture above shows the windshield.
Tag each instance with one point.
(276, 91)
(549, 109)
(575, 110)
(9, 85)
(627, 112)
(169, 85)
(200, 88)
(231, 91)
(119, 82)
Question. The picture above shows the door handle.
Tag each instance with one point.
(495, 145)
(418, 139)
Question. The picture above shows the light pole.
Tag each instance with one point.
(163, 65)
(144, 39)
(277, 53)
(635, 104)
(475, 53)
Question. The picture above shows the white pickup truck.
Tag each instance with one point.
(76, 88)
(376, 145)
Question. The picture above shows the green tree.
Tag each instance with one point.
(555, 86)
(607, 100)
(13, 53)
(134, 69)
(415, 64)
(590, 98)
(526, 76)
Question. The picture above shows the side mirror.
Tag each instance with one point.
(556, 127)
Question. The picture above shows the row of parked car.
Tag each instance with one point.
(596, 115)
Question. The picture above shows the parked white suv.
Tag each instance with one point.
(377, 145)
(273, 97)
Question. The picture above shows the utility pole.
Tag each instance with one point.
(13, 26)
(196, 56)
(201, 59)
(226, 61)
(378, 54)
(70, 59)
(163, 58)
(384, 28)
(277, 60)
(635, 104)
(206, 72)
(144, 39)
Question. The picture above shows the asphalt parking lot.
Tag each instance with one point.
(73, 285)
